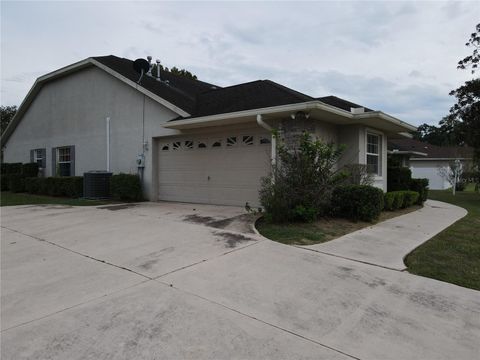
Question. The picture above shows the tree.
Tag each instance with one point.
(6, 115)
(301, 183)
(174, 70)
(465, 114)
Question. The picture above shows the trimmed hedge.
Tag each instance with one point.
(11, 168)
(421, 187)
(357, 202)
(395, 200)
(398, 178)
(16, 183)
(410, 198)
(68, 186)
(126, 187)
(30, 170)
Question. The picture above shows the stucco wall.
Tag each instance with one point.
(72, 111)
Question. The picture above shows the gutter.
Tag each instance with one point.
(305, 106)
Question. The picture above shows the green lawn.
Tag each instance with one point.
(320, 231)
(454, 254)
(9, 199)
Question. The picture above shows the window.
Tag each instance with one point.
(188, 144)
(165, 147)
(217, 144)
(373, 154)
(64, 161)
(247, 140)
(231, 141)
(202, 145)
(176, 145)
(38, 157)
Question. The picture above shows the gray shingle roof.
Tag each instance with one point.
(199, 98)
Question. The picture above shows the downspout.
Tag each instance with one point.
(274, 139)
(107, 120)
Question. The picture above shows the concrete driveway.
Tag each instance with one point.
(176, 281)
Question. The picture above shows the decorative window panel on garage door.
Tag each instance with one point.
(218, 169)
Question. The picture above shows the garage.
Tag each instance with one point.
(222, 168)
(431, 171)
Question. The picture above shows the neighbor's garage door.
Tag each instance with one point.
(223, 168)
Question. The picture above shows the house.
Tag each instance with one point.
(427, 161)
(189, 140)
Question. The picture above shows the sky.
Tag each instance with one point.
(397, 57)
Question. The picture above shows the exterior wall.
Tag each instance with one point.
(72, 111)
(354, 137)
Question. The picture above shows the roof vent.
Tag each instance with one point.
(358, 110)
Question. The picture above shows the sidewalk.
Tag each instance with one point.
(387, 243)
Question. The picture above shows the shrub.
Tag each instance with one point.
(16, 183)
(420, 186)
(460, 186)
(11, 168)
(398, 178)
(126, 187)
(357, 174)
(32, 185)
(304, 214)
(397, 200)
(68, 186)
(30, 170)
(410, 198)
(301, 183)
(389, 199)
(4, 181)
(357, 202)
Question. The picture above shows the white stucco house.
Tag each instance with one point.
(430, 161)
(200, 142)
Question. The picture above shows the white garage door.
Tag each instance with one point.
(431, 172)
(223, 168)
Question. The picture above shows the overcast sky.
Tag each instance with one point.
(398, 57)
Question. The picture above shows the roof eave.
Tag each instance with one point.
(395, 125)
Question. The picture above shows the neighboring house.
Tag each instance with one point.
(200, 142)
(426, 160)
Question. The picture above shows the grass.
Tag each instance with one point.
(10, 199)
(454, 254)
(320, 231)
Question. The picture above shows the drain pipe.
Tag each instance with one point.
(107, 120)
(274, 139)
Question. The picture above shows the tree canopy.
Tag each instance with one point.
(465, 114)
(174, 70)
(6, 115)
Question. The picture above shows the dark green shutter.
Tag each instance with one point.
(44, 158)
(54, 161)
(72, 160)
(31, 156)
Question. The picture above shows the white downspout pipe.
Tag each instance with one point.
(274, 139)
(107, 120)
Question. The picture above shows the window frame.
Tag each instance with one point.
(379, 154)
(69, 161)
(38, 156)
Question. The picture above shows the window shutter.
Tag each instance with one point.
(31, 156)
(72, 160)
(54, 161)
(44, 158)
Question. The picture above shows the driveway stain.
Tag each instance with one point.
(208, 221)
(232, 240)
(117, 207)
(154, 258)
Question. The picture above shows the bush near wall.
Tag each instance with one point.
(420, 186)
(68, 186)
(16, 183)
(395, 200)
(11, 168)
(398, 178)
(357, 202)
(126, 187)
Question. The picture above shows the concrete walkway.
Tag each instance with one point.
(386, 244)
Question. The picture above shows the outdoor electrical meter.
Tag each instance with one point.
(141, 161)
